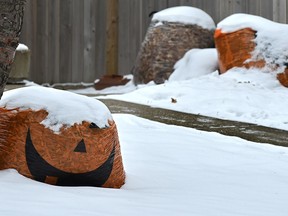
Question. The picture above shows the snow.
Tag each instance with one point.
(170, 170)
(271, 37)
(194, 64)
(251, 96)
(240, 20)
(186, 15)
(22, 47)
(64, 108)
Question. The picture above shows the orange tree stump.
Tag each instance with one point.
(244, 40)
(234, 49)
(82, 154)
(283, 77)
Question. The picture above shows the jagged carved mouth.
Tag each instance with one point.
(42, 171)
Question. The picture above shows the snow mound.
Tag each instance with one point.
(64, 108)
(186, 15)
(22, 47)
(271, 37)
(239, 21)
(195, 63)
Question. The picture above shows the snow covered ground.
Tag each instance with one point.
(170, 171)
(252, 96)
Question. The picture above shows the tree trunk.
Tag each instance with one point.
(11, 19)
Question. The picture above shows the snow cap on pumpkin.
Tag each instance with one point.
(64, 108)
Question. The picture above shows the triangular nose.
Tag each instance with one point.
(80, 147)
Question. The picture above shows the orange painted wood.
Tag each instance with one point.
(235, 48)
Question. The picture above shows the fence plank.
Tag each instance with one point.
(89, 53)
(124, 39)
(53, 42)
(65, 49)
(28, 34)
(254, 8)
(77, 41)
(279, 11)
(42, 36)
(209, 8)
(266, 9)
(134, 33)
(100, 41)
(112, 37)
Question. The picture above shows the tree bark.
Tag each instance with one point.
(11, 20)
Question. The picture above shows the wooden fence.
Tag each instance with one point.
(67, 37)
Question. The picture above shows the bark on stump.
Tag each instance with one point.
(164, 45)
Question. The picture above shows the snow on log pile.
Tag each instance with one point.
(244, 40)
(171, 34)
(59, 138)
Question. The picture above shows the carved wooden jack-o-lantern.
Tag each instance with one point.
(82, 154)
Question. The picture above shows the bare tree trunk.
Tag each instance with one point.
(11, 20)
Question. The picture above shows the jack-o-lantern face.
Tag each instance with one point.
(81, 155)
(88, 146)
(75, 166)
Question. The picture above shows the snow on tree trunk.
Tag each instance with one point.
(11, 12)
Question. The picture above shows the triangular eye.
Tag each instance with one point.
(93, 125)
(81, 147)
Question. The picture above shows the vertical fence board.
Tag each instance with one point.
(147, 6)
(186, 2)
(285, 10)
(42, 36)
(279, 11)
(124, 40)
(77, 41)
(100, 40)
(53, 42)
(266, 9)
(87, 37)
(254, 8)
(209, 8)
(28, 34)
(65, 49)
(173, 3)
(134, 33)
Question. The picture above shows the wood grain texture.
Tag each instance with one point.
(112, 37)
